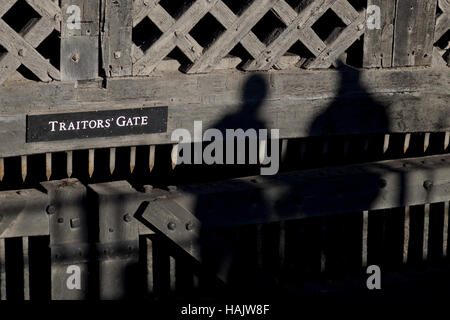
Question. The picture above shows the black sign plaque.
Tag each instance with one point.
(96, 124)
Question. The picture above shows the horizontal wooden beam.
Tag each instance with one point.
(298, 103)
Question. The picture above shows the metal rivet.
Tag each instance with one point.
(21, 52)
(428, 185)
(60, 220)
(51, 209)
(127, 218)
(117, 54)
(171, 226)
(189, 226)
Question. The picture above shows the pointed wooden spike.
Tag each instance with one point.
(69, 156)
(24, 166)
(112, 160)
(174, 156)
(386, 143)
(132, 159)
(426, 142)
(446, 140)
(2, 169)
(91, 162)
(48, 165)
(151, 161)
(262, 151)
(407, 141)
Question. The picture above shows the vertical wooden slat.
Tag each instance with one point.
(2, 270)
(149, 266)
(172, 273)
(426, 230)
(414, 32)
(119, 237)
(68, 224)
(26, 268)
(79, 44)
(117, 37)
(378, 42)
(2, 169)
(406, 235)
(69, 165)
(365, 229)
(445, 231)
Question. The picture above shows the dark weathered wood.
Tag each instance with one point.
(118, 240)
(68, 222)
(410, 100)
(23, 213)
(414, 32)
(117, 37)
(79, 47)
(2, 270)
(378, 43)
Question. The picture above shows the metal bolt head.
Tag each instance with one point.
(21, 52)
(51, 209)
(127, 218)
(171, 226)
(428, 185)
(60, 220)
(76, 58)
(117, 54)
(189, 226)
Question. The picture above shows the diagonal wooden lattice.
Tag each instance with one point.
(442, 27)
(238, 29)
(21, 46)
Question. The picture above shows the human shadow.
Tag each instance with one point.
(227, 247)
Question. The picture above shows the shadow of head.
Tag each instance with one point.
(254, 91)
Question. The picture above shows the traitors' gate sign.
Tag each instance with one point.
(96, 124)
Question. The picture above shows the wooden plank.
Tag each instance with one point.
(2, 270)
(414, 32)
(360, 185)
(68, 239)
(118, 236)
(23, 213)
(117, 37)
(293, 103)
(79, 47)
(26, 268)
(378, 43)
